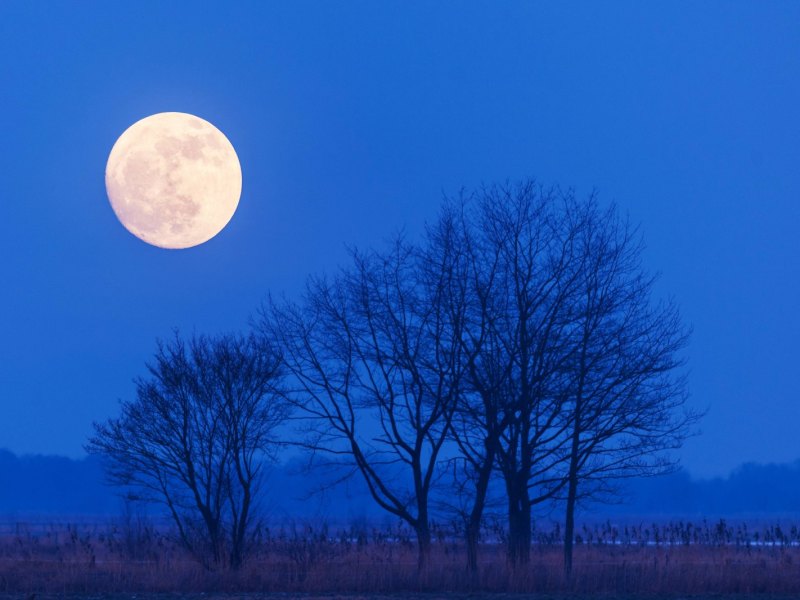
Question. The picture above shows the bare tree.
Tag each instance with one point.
(627, 396)
(569, 368)
(197, 436)
(375, 359)
(480, 415)
(527, 243)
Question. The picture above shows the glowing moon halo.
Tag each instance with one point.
(173, 180)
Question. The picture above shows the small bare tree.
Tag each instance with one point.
(197, 436)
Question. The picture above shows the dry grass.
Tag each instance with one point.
(656, 559)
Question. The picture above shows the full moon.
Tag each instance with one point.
(173, 180)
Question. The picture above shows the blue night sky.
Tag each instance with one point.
(351, 119)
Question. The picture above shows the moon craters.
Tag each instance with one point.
(173, 180)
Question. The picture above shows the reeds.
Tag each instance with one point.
(644, 558)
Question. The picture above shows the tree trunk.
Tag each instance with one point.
(572, 474)
(213, 535)
(519, 524)
(239, 533)
(569, 525)
(423, 544)
(473, 530)
(472, 535)
(521, 536)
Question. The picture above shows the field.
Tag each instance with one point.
(114, 559)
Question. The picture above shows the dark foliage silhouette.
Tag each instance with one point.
(513, 356)
(374, 356)
(626, 395)
(197, 436)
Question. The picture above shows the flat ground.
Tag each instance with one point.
(445, 596)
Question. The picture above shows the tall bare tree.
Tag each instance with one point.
(480, 416)
(570, 380)
(519, 276)
(197, 436)
(627, 394)
(374, 357)
(528, 236)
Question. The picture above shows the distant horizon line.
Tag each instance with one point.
(681, 469)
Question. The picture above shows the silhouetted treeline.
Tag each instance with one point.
(57, 488)
(53, 485)
(513, 354)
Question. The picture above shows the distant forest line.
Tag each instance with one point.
(56, 486)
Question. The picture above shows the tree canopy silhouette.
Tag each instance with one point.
(196, 438)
